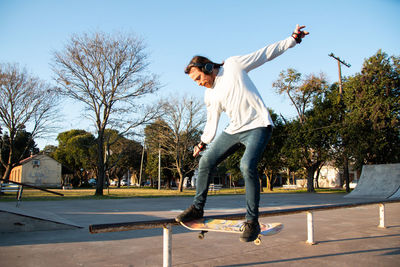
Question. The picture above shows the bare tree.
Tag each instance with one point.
(108, 74)
(26, 104)
(177, 133)
(185, 119)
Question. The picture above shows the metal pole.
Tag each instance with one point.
(382, 216)
(141, 165)
(159, 168)
(128, 179)
(310, 228)
(167, 248)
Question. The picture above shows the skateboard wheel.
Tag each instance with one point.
(257, 242)
(201, 235)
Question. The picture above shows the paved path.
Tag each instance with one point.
(346, 237)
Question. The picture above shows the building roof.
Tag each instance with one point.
(32, 157)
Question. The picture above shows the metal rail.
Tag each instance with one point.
(139, 225)
(167, 224)
(32, 186)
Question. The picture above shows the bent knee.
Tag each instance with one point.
(247, 167)
(206, 162)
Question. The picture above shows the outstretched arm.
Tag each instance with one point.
(267, 53)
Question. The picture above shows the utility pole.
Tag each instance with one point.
(345, 157)
(340, 62)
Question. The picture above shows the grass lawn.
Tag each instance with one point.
(124, 192)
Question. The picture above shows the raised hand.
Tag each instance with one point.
(298, 34)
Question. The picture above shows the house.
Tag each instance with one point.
(330, 177)
(38, 170)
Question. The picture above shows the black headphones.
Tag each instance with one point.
(206, 68)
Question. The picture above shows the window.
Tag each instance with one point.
(36, 163)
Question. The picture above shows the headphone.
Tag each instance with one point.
(206, 68)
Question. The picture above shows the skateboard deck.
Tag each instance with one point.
(230, 226)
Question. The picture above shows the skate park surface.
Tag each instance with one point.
(345, 237)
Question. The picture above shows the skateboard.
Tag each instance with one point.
(230, 226)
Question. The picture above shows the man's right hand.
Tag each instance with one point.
(198, 148)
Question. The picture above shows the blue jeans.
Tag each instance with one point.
(224, 145)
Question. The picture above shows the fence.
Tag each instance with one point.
(167, 224)
(215, 187)
(9, 186)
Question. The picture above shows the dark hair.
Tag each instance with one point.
(200, 60)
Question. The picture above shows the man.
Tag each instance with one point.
(230, 90)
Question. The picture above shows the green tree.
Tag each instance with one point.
(122, 155)
(77, 151)
(333, 109)
(372, 120)
(232, 164)
(49, 150)
(24, 146)
(304, 144)
(272, 160)
(155, 133)
(323, 122)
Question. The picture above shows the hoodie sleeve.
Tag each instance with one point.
(267, 53)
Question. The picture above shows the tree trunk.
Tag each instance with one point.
(288, 176)
(180, 186)
(310, 180)
(269, 178)
(100, 164)
(167, 182)
(6, 175)
(346, 173)
(9, 164)
(316, 179)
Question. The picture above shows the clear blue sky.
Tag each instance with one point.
(174, 31)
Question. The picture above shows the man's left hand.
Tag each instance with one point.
(298, 34)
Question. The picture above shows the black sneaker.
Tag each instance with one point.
(251, 230)
(190, 214)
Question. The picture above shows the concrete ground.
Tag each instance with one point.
(346, 237)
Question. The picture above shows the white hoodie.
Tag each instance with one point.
(234, 93)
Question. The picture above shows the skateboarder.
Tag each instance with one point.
(230, 89)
